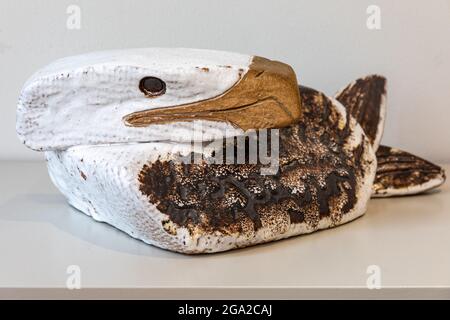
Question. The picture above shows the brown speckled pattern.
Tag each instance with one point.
(398, 169)
(318, 177)
(363, 100)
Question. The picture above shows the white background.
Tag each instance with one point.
(327, 42)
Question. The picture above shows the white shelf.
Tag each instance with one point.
(40, 236)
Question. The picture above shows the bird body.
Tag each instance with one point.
(120, 137)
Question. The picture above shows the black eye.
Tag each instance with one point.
(152, 86)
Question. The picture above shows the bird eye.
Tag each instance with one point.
(152, 86)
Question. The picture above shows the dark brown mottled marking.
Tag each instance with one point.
(317, 178)
(363, 100)
(398, 169)
(83, 175)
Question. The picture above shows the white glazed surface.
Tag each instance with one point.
(415, 189)
(81, 100)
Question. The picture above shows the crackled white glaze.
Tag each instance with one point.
(81, 100)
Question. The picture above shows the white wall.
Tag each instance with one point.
(327, 42)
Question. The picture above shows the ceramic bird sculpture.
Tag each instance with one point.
(170, 146)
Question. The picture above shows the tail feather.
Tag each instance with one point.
(401, 173)
(365, 100)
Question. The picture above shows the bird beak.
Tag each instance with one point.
(267, 96)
